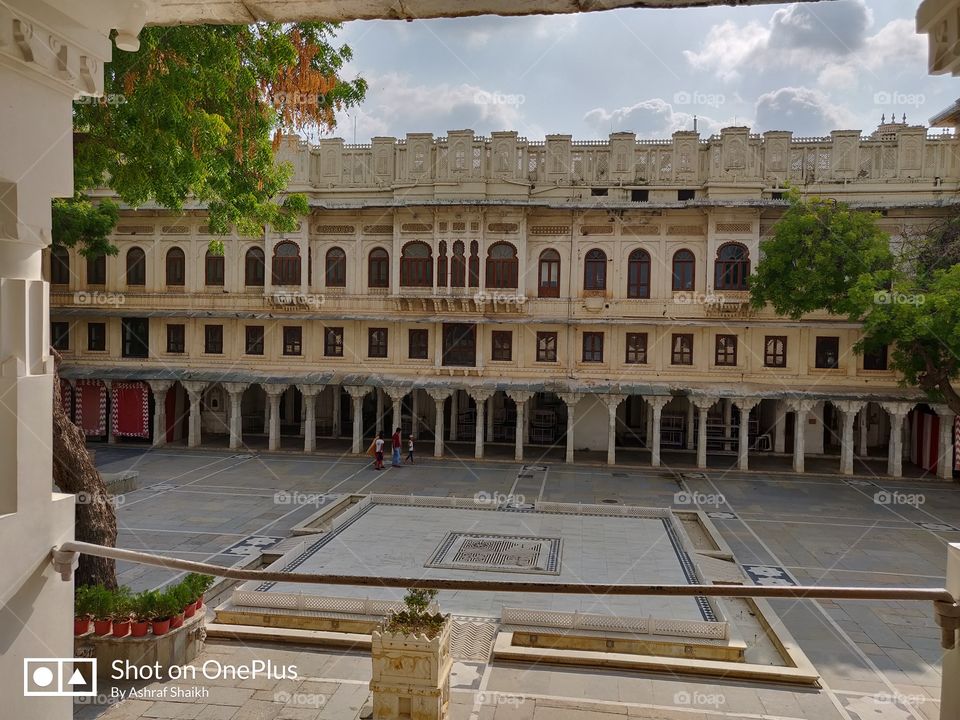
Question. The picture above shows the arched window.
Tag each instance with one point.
(502, 266)
(286, 264)
(638, 274)
(416, 265)
(442, 264)
(336, 271)
(254, 267)
(136, 267)
(59, 266)
(548, 274)
(683, 270)
(176, 267)
(473, 266)
(595, 270)
(213, 269)
(732, 267)
(458, 266)
(97, 269)
(378, 268)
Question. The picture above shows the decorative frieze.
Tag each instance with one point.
(174, 230)
(378, 229)
(735, 227)
(549, 230)
(416, 227)
(134, 230)
(641, 230)
(685, 230)
(597, 229)
(337, 229)
(503, 227)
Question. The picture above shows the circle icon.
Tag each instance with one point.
(42, 676)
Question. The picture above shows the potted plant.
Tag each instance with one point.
(192, 594)
(165, 607)
(180, 597)
(411, 659)
(142, 605)
(200, 584)
(82, 609)
(122, 608)
(101, 607)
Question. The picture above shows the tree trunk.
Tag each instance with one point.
(74, 472)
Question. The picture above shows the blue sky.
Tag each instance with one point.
(808, 67)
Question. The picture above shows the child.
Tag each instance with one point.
(378, 449)
(409, 451)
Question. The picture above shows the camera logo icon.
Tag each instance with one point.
(59, 677)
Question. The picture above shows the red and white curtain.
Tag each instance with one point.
(926, 440)
(66, 397)
(130, 403)
(91, 414)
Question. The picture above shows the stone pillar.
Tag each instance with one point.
(703, 407)
(439, 398)
(656, 403)
(727, 422)
(907, 437)
(945, 443)
(266, 417)
(950, 688)
(528, 419)
(690, 424)
(744, 405)
(780, 427)
(379, 423)
(862, 432)
(357, 393)
(159, 389)
(849, 410)
(490, 414)
(112, 408)
(520, 398)
(648, 426)
(897, 411)
(612, 401)
(396, 395)
(480, 398)
(337, 430)
(309, 393)
(195, 393)
(235, 392)
(802, 409)
(571, 400)
(274, 394)
(454, 414)
(415, 412)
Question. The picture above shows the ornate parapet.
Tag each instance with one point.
(411, 675)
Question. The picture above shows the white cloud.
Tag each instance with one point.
(652, 118)
(801, 110)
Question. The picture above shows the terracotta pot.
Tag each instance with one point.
(161, 627)
(190, 610)
(102, 627)
(81, 626)
(139, 628)
(121, 628)
(200, 601)
(176, 621)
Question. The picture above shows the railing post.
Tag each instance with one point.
(950, 673)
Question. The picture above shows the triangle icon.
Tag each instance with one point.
(76, 679)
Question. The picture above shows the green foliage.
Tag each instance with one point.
(167, 604)
(144, 605)
(101, 602)
(78, 221)
(122, 604)
(197, 584)
(416, 616)
(83, 601)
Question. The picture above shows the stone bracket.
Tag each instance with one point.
(947, 616)
(65, 562)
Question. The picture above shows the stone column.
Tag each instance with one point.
(945, 444)
(802, 409)
(520, 397)
(195, 393)
(235, 391)
(648, 426)
(490, 414)
(849, 410)
(862, 432)
(690, 424)
(379, 423)
(266, 417)
(780, 427)
(309, 393)
(571, 400)
(274, 394)
(357, 393)
(415, 412)
(159, 389)
(727, 422)
(454, 414)
(480, 398)
(396, 395)
(897, 411)
(703, 407)
(612, 401)
(439, 398)
(744, 405)
(656, 403)
(337, 430)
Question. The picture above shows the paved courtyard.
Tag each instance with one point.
(878, 660)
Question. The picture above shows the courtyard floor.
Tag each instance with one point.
(878, 660)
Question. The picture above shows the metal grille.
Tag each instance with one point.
(498, 553)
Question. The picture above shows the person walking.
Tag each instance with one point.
(396, 443)
(409, 457)
(378, 450)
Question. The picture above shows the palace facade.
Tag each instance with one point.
(493, 289)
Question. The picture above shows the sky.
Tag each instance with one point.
(805, 67)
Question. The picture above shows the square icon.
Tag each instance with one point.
(59, 677)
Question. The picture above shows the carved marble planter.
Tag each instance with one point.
(411, 675)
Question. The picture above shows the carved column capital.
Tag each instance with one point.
(570, 398)
(480, 395)
(194, 387)
(309, 390)
(273, 389)
(439, 394)
(519, 396)
(396, 393)
(357, 391)
(704, 402)
(235, 388)
(159, 387)
(849, 407)
(899, 409)
(658, 402)
(744, 404)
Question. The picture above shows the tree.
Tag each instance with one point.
(823, 255)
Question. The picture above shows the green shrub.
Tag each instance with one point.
(167, 605)
(416, 616)
(122, 604)
(144, 605)
(198, 584)
(101, 602)
(82, 601)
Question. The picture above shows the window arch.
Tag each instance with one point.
(473, 265)
(684, 274)
(136, 266)
(502, 266)
(213, 269)
(595, 270)
(336, 268)
(458, 266)
(97, 269)
(286, 263)
(442, 264)
(254, 267)
(732, 267)
(378, 268)
(59, 266)
(638, 274)
(548, 274)
(176, 267)
(416, 265)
